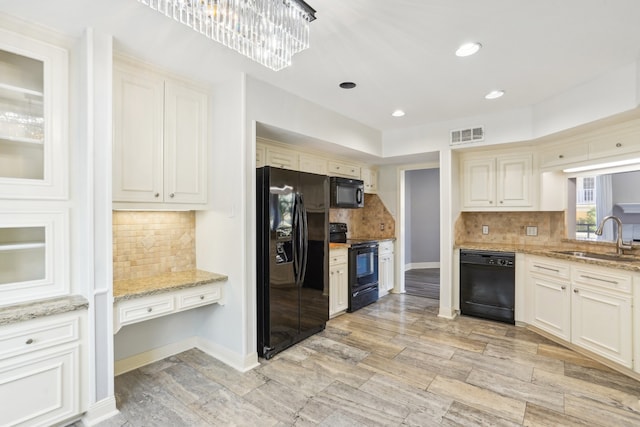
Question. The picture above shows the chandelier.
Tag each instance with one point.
(269, 32)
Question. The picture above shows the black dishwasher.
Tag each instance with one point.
(487, 285)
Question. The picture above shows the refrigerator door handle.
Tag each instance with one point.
(294, 238)
(305, 239)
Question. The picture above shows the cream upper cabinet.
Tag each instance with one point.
(479, 183)
(563, 155)
(281, 158)
(370, 178)
(160, 138)
(33, 119)
(312, 164)
(348, 170)
(502, 182)
(260, 155)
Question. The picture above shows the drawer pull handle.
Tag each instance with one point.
(172, 195)
(576, 291)
(613, 282)
(561, 156)
(563, 287)
(29, 341)
(201, 296)
(547, 268)
(618, 145)
(149, 310)
(156, 195)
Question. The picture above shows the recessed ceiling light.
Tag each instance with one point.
(347, 85)
(468, 49)
(494, 94)
(398, 113)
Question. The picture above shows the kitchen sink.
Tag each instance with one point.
(592, 255)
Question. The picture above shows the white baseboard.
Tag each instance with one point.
(142, 359)
(447, 313)
(235, 360)
(414, 265)
(100, 411)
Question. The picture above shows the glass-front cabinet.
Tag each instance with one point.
(32, 265)
(33, 169)
(33, 124)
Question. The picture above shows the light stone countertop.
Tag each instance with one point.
(41, 308)
(625, 262)
(167, 282)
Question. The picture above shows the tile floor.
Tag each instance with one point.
(392, 363)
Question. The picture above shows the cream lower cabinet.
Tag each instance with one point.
(41, 370)
(549, 296)
(385, 268)
(601, 316)
(338, 281)
(589, 306)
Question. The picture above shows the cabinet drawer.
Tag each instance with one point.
(385, 247)
(344, 169)
(148, 308)
(18, 339)
(549, 268)
(603, 278)
(199, 296)
(338, 257)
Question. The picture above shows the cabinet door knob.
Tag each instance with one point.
(29, 341)
(149, 310)
(201, 296)
(172, 195)
(490, 201)
(156, 195)
(618, 145)
(561, 156)
(501, 201)
(563, 287)
(576, 291)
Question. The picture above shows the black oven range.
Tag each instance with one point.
(363, 267)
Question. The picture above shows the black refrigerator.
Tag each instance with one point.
(292, 257)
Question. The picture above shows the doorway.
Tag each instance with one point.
(422, 232)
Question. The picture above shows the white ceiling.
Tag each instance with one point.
(399, 52)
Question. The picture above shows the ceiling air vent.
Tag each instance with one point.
(463, 136)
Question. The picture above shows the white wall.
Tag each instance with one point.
(221, 236)
(609, 94)
(270, 105)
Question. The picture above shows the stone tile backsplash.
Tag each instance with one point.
(511, 228)
(150, 243)
(366, 222)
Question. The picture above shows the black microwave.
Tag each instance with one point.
(347, 193)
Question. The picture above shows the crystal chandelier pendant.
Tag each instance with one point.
(269, 32)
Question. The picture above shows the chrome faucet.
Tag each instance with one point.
(620, 246)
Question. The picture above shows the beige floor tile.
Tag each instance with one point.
(597, 413)
(525, 391)
(537, 416)
(479, 398)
